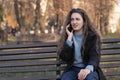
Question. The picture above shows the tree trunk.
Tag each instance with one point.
(37, 23)
(17, 13)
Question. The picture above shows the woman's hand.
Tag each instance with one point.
(70, 34)
(83, 73)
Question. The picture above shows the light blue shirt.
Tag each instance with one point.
(77, 39)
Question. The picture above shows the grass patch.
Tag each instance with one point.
(111, 35)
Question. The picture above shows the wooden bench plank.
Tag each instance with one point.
(110, 65)
(35, 51)
(111, 40)
(110, 52)
(27, 63)
(53, 77)
(28, 69)
(46, 44)
(111, 59)
(112, 73)
(28, 57)
(110, 46)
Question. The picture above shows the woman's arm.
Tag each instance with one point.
(67, 52)
(94, 52)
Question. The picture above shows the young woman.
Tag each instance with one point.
(80, 48)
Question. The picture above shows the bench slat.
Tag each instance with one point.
(45, 44)
(28, 69)
(110, 65)
(110, 52)
(110, 59)
(27, 63)
(14, 52)
(110, 46)
(111, 40)
(28, 57)
(112, 73)
(53, 77)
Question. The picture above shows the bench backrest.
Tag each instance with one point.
(110, 59)
(28, 61)
(39, 61)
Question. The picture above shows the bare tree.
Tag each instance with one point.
(17, 13)
(37, 23)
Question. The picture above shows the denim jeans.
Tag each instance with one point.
(72, 74)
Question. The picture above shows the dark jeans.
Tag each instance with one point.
(72, 74)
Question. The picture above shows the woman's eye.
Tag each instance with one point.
(72, 19)
(77, 19)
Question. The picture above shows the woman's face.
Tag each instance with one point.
(77, 22)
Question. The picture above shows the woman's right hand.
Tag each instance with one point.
(70, 34)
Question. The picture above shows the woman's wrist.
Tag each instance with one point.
(69, 42)
(90, 67)
(70, 38)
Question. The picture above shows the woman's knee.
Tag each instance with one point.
(71, 75)
(92, 76)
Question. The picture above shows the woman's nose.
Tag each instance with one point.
(74, 21)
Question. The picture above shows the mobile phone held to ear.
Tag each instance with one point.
(70, 28)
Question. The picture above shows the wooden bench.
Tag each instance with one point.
(39, 61)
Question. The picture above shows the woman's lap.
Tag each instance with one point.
(70, 75)
(92, 76)
(73, 75)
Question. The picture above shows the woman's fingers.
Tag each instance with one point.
(83, 73)
(67, 28)
(70, 34)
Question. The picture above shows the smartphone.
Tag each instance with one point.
(70, 28)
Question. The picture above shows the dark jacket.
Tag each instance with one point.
(91, 54)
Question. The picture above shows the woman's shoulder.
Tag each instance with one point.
(92, 34)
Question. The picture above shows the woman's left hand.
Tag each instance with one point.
(83, 73)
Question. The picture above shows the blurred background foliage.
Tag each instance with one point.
(23, 21)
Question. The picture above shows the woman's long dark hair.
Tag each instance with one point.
(87, 27)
